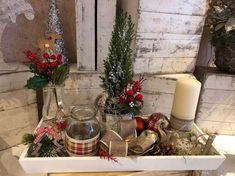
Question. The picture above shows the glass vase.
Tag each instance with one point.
(54, 101)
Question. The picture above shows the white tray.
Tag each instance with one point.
(140, 163)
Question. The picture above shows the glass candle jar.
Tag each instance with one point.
(82, 132)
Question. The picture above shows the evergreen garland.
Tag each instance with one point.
(118, 65)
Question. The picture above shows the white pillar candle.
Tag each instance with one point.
(185, 101)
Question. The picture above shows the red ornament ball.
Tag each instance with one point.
(130, 93)
(46, 55)
(139, 97)
(140, 124)
(53, 57)
(153, 119)
(53, 64)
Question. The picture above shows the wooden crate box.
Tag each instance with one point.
(216, 108)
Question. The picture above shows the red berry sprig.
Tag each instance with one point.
(131, 95)
(46, 64)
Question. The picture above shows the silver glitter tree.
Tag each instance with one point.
(54, 26)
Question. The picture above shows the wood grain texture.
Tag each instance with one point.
(15, 122)
(143, 173)
(216, 107)
(164, 65)
(85, 26)
(92, 174)
(106, 13)
(170, 23)
(167, 47)
(15, 99)
(212, 126)
(13, 81)
(186, 7)
(168, 37)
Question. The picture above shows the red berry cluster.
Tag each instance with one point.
(132, 95)
(46, 63)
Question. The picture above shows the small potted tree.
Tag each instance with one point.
(117, 76)
(221, 21)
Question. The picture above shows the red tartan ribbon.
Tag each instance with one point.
(42, 131)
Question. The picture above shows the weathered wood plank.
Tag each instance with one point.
(12, 68)
(106, 12)
(81, 96)
(217, 100)
(216, 112)
(15, 122)
(219, 81)
(166, 48)
(218, 96)
(15, 99)
(85, 28)
(83, 81)
(170, 23)
(13, 81)
(164, 65)
(167, 36)
(158, 102)
(217, 127)
(142, 173)
(187, 7)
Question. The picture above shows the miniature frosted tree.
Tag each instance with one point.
(118, 65)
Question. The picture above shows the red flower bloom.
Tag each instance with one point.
(53, 57)
(130, 92)
(46, 56)
(139, 97)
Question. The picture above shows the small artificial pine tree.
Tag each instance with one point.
(118, 65)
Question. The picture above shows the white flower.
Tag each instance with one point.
(131, 104)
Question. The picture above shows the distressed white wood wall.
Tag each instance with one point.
(106, 13)
(18, 109)
(168, 34)
(85, 28)
(216, 108)
(85, 31)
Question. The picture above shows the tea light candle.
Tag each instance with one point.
(185, 103)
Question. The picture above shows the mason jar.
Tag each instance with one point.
(82, 132)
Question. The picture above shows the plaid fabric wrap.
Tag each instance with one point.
(81, 147)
